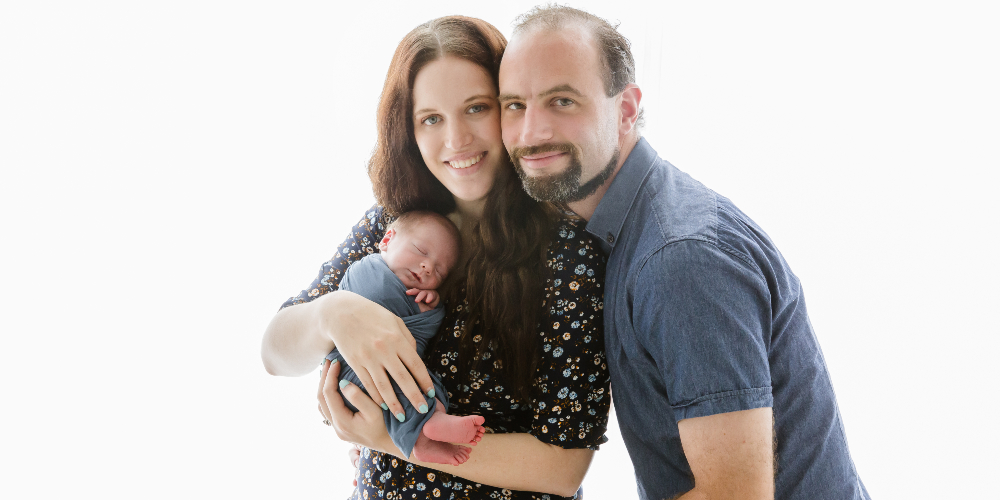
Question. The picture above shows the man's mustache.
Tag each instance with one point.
(517, 153)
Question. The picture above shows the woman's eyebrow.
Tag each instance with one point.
(480, 96)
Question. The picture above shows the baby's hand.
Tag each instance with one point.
(426, 299)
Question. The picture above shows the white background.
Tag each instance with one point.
(173, 171)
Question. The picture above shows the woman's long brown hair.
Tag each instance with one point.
(505, 274)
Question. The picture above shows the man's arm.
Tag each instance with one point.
(731, 455)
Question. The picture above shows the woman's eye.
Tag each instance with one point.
(478, 108)
(431, 120)
(563, 101)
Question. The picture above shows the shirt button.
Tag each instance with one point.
(610, 238)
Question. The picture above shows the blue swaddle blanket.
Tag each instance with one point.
(371, 278)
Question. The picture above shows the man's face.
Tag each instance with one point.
(558, 125)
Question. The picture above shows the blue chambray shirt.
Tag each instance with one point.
(703, 316)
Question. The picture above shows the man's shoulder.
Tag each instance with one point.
(670, 207)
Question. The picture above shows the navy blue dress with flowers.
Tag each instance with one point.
(570, 400)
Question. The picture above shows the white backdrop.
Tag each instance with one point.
(173, 171)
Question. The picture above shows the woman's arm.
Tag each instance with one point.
(515, 461)
(572, 397)
(373, 340)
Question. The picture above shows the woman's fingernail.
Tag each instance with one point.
(332, 361)
(422, 409)
(343, 383)
(431, 393)
(400, 417)
(384, 406)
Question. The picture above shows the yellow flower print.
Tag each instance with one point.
(574, 286)
(566, 336)
(431, 476)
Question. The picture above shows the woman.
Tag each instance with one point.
(522, 342)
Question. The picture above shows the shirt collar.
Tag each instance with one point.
(609, 217)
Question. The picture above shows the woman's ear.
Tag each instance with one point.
(384, 244)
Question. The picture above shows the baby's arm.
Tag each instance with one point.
(426, 299)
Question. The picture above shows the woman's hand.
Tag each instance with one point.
(366, 427)
(354, 455)
(377, 345)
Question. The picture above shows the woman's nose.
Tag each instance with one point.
(458, 136)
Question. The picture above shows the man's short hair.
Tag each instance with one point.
(616, 54)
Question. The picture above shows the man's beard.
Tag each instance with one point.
(563, 187)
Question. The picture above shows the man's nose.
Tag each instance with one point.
(535, 127)
(457, 135)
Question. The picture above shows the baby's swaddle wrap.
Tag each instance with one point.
(371, 278)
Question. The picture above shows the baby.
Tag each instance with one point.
(417, 252)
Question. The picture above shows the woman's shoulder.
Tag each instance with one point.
(570, 242)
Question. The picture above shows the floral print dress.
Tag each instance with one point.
(570, 400)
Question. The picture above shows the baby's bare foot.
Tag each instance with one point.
(429, 450)
(451, 429)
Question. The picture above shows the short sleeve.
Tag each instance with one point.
(572, 391)
(362, 241)
(704, 314)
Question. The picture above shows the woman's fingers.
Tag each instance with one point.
(322, 400)
(366, 407)
(354, 454)
(368, 382)
(337, 412)
(406, 383)
(416, 370)
(383, 387)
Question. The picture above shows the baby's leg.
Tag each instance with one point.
(438, 452)
(451, 429)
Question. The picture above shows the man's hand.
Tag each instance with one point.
(426, 299)
(731, 455)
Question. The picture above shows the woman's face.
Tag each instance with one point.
(456, 122)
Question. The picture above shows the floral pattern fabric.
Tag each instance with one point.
(570, 401)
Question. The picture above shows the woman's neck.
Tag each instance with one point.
(468, 212)
(465, 216)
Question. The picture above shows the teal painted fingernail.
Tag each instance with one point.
(343, 383)
(400, 417)
(431, 393)
(332, 361)
(384, 406)
(422, 409)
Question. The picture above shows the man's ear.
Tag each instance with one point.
(382, 245)
(629, 109)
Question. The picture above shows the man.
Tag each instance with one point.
(719, 383)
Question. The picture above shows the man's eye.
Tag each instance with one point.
(515, 105)
(431, 120)
(563, 101)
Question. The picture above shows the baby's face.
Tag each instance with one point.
(421, 255)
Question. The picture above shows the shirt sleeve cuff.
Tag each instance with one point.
(724, 402)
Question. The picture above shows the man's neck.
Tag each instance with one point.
(585, 208)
